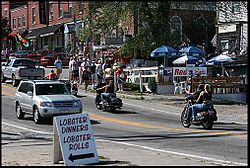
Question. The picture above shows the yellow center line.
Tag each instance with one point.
(163, 128)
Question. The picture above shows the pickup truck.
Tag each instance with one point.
(18, 69)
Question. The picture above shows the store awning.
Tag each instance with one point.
(45, 31)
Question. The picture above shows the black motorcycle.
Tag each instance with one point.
(205, 118)
(110, 103)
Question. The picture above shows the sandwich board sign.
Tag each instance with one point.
(73, 140)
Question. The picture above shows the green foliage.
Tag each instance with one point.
(5, 29)
(152, 85)
(153, 23)
(133, 86)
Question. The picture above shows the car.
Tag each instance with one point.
(34, 56)
(44, 99)
(50, 58)
(20, 54)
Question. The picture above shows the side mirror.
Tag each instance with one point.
(29, 93)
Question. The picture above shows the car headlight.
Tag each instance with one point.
(77, 103)
(46, 104)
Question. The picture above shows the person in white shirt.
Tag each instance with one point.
(58, 66)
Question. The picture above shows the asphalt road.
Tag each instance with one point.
(146, 125)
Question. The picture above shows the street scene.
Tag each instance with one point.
(143, 83)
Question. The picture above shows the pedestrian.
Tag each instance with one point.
(99, 72)
(70, 68)
(86, 73)
(52, 75)
(93, 76)
(58, 66)
(120, 76)
(74, 70)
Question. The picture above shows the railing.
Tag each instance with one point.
(142, 75)
(234, 84)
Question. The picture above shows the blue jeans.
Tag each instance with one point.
(105, 95)
(198, 107)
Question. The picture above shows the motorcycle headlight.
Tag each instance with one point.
(77, 103)
(46, 104)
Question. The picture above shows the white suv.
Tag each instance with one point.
(45, 98)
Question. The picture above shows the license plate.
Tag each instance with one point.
(64, 111)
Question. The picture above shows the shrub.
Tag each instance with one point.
(152, 85)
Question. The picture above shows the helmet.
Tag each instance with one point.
(52, 71)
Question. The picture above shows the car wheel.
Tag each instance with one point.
(36, 116)
(19, 113)
(14, 81)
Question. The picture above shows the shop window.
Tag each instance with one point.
(224, 45)
(14, 23)
(176, 24)
(45, 41)
(19, 22)
(70, 7)
(60, 9)
(23, 21)
(51, 11)
(236, 7)
(33, 16)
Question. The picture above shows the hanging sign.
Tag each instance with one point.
(77, 143)
(188, 71)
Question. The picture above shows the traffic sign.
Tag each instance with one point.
(74, 140)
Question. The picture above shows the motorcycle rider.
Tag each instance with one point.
(206, 98)
(108, 89)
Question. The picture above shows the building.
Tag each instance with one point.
(232, 33)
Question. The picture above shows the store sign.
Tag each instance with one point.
(188, 71)
(227, 29)
(76, 140)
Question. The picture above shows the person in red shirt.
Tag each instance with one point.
(121, 78)
(52, 75)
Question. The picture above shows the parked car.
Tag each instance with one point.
(34, 56)
(18, 69)
(20, 54)
(45, 98)
(50, 58)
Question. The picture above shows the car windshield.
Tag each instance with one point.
(24, 63)
(51, 89)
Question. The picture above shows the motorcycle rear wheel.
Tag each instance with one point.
(184, 118)
(208, 123)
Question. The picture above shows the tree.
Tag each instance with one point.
(5, 29)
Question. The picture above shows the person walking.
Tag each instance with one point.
(74, 68)
(99, 72)
(86, 73)
(58, 66)
(120, 76)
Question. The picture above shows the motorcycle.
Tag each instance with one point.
(110, 103)
(205, 118)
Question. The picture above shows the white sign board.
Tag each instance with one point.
(227, 29)
(76, 139)
(188, 71)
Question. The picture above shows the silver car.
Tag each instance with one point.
(45, 98)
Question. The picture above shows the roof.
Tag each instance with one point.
(45, 31)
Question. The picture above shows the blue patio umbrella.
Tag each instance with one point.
(187, 59)
(192, 51)
(220, 60)
(165, 51)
